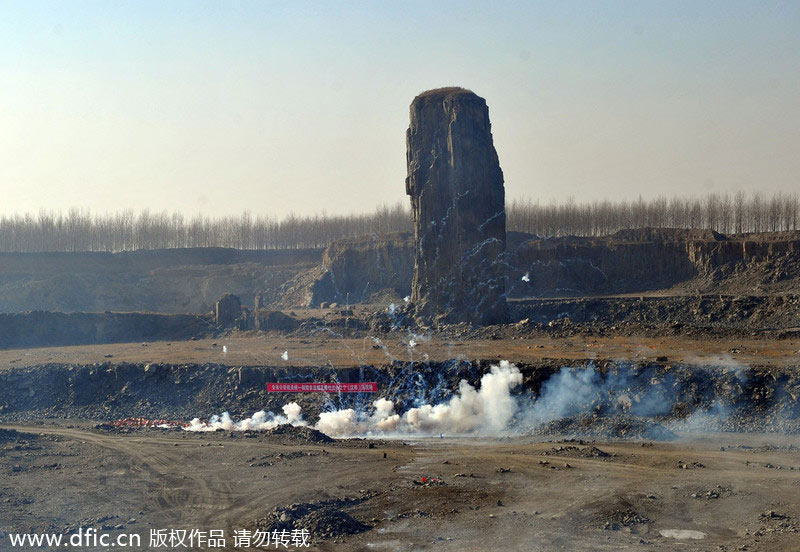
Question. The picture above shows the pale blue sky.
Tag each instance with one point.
(218, 107)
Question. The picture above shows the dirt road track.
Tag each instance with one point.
(187, 488)
(508, 494)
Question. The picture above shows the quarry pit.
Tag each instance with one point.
(645, 442)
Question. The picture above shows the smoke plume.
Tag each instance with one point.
(485, 410)
(690, 401)
(259, 421)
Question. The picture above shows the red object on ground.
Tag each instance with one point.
(365, 387)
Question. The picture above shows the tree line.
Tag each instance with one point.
(725, 213)
(78, 230)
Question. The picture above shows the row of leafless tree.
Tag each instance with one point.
(81, 231)
(724, 213)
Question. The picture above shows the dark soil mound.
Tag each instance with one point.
(9, 435)
(323, 519)
(577, 452)
(298, 434)
(624, 518)
(328, 523)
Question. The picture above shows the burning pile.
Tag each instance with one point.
(147, 423)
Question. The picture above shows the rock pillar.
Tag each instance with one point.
(458, 204)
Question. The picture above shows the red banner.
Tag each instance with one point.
(365, 387)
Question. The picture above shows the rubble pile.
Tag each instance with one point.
(323, 519)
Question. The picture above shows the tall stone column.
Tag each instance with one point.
(458, 204)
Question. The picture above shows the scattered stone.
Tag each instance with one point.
(689, 465)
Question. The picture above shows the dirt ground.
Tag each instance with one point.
(739, 491)
(267, 350)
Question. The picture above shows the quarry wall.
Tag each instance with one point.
(368, 268)
(629, 261)
(40, 328)
(167, 280)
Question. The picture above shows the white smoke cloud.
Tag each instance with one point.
(703, 420)
(485, 410)
(580, 390)
(471, 411)
(492, 408)
(261, 420)
(350, 422)
(563, 394)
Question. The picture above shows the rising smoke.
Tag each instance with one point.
(495, 407)
(261, 420)
(472, 411)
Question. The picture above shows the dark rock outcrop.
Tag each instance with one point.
(655, 258)
(228, 309)
(458, 204)
(267, 320)
(367, 265)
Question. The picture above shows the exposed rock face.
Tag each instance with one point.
(266, 320)
(355, 270)
(655, 258)
(628, 261)
(458, 203)
(228, 309)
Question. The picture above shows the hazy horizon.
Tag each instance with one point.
(199, 107)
